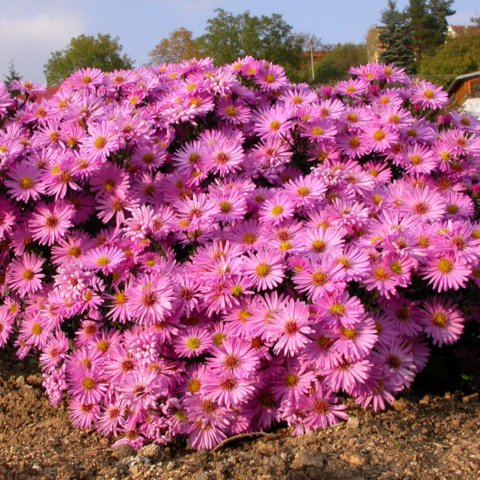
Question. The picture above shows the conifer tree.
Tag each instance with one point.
(395, 38)
(12, 74)
(428, 24)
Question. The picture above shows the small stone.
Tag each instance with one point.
(352, 422)
(425, 400)
(20, 381)
(399, 405)
(309, 457)
(200, 475)
(35, 380)
(354, 459)
(134, 470)
(123, 451)
(36, 467)
(152, 451)
(470, 398)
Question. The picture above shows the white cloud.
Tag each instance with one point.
(28, 41)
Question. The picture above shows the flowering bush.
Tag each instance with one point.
(199, 251)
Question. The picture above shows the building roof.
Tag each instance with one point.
(462, 29)
(455, 85)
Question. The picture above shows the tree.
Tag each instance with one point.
(439, 10)
(459, 55)
(12, 74)
(428, 24)
(395, 38)
(230, 36)
(335, 65)
(84, 51)
(475, 20)
(180, 45)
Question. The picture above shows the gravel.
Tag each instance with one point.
(428, 438)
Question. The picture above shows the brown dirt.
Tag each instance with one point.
(433, 438)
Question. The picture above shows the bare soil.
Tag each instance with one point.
(428, 438)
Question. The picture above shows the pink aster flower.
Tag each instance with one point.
(150, 299)
(102, 140)
(446, 272)
(25, 182)
(6, 324)
(291, 327)
(265, 268)
(442, 321)
(378, 138)
(72, 248)
(141, 388)
(24, 274)
(235, 356)
(104, 259)
(321, 241)
(322, 409)
(347, 375)
(83, 414)
(424, 204)
(419, 159)
(357, 341)
(320, 279)
(277, 209)
(49, 223)
(192, 342)
(273, 122)
(88, 386)
(427, 95)
(227, 390)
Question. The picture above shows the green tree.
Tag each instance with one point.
(180, 45)
(395, 38)
(334, 66)
(12, 74)
(84, 51)
(459, 55)
(428, 24)
(475, 20)
(438, 11)
(230, 36)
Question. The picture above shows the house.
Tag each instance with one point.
(456, 30)
(465, 92)
(374, 46)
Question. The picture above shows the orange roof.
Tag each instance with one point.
(462, 29)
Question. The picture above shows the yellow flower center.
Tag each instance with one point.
(275, 125)
(277, 210)
(100, 142)
(27, 274)
(193, 343)
(103, 261)
(88, 383)
(379, 135)
(26, 183)
(439, 319)
(263, 269)
(445, 266)
(319, 279)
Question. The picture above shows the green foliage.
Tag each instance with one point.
(428, 24)
(230, 36)
(334, 66)
(180, 45)
(11, 75)
(84, 51)
(395, 38)
(458, 56)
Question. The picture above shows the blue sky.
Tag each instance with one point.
(31, 29)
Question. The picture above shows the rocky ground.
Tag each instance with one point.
(419, 438)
